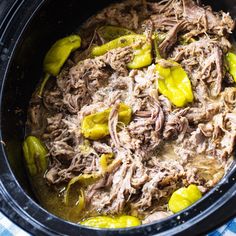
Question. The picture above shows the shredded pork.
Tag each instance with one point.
(158, 151)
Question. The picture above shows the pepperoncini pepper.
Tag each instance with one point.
(35, 155)
(103, 161)
(85, 147)
(231, 59)
(142, 49)
(95, 126)
(112, 222)
(84, 180)
(175, 84)
(184, 197)
(81, 202)
(185, 41)
(57, 55)
(108, 32)
(157, 39)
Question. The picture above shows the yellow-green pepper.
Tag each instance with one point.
(157, 39)
(35, 155)
(142, 49)
(83, 180)
(80, 205)
(231, 59)
(184, 197)
(103, 161)
(57, 55)
(95, 126)
(85, 148)
(112, 222)
(175, 84)
(108, 32)
(185, 41)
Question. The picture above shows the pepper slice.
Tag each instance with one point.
(84, 180)
(231, 59)
(175, 84)
(185, 41)
(35, 155)
(57, 55)
(95, 126)
(80, 204)
(103, 161)
(184, 197)
(142, 49)
(157, 39)
(112, 222)
(108, 32)
(85, 148)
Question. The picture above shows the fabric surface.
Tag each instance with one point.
(7, 228)
(226, 230)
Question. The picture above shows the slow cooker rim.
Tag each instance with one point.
(35, 7)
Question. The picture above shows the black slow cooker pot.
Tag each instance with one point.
(27, 29)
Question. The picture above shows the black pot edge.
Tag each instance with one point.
(8, 207)
(11, 205)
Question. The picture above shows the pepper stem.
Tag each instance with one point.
(156, 42)
(43, 84)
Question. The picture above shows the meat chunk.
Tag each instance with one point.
(171, 38)
(112, 123)
(210, 20)
(159, 215)
(203, 62)
(176, 125)
(102, 147)
(82, 80)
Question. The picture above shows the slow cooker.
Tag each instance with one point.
(27, 29)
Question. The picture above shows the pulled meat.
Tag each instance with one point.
(171, 38)
(203, 61)
(163, 147)
(76, 85)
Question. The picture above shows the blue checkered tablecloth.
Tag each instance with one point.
(228, 229)
(7, 228)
